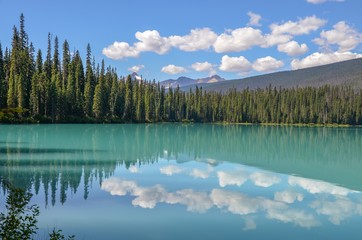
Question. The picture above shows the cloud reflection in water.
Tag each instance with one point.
(288, 205)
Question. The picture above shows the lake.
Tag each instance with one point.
(188, 181)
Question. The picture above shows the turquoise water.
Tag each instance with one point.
(173, 181)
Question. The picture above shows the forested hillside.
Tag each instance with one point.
(346, 73)
(63, 88)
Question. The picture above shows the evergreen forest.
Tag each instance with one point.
(55, 86)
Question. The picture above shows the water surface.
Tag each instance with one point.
(174, 181)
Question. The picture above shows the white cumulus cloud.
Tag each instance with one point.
(235, 202)
(201, 173)
(288, 196)
(317, 59)
(338, 209)
(267, 64)
(316, 186)
(271, 40)
(120, 50)
(149, 197)
(235, 64)
(342, 35)
(198, 39)
(151, 41)
(298, 217)
(254, 19)
(195, 201)
(204, 67)
(303, 26)
(237, 178)
(264, 179)
(238, 40)
(172, 69)
(241, 204)
(170, 170)
(136, 68)
(293, 48)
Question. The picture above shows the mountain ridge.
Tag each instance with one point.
(186, 81)
(341, 73)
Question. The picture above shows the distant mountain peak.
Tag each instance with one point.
(135, 76)
(184, 81)
(212, 79)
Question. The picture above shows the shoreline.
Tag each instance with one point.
(311, 125)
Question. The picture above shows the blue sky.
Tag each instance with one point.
(166, 39)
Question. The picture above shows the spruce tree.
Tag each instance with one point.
(37, 87)
(48, 60)
(89, 84)
(56, 83)
(99, 96)
(47, 75)
(3, 86)
(79, 83)
(71, 91)
(114, 98)
(128, 105)
(22, 34)
(65, 63)
(13, 72)
(140, 108)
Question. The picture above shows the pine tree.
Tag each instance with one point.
(89, 84)
(79, 84)
(56, 84)
(71, 90)
(121, 99)
(37, 94)
(114, 98)
(22, 34)
(48, 60)
(30, 73)
(26, 68)
(149, 103)
(128, 105)
(3, 86)
(47, 76)
(161, 104)
(65, 63)
(99, 96)
(13, 72)
(140, 108)
(135, 97)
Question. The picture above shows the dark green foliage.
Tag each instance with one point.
(79, 83)
(58, 235)
(19, 221)
(128, 114)
(55, 92)
(100, 97)
(3, 85)
(13, 70)
(89, 84)
(11, 115)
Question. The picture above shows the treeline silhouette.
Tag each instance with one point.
(63, 89)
